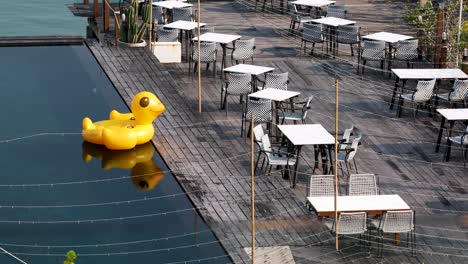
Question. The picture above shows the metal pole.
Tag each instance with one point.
(252, 183)
(336, 166)
(459, 29)
(150, 2)
(199, 64)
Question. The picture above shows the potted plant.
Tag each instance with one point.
(131, 33)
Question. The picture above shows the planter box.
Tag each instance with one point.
(142, 44)
(167, 52)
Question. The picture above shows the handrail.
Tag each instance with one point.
(13, 256)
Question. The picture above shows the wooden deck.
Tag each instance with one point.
(211, 160)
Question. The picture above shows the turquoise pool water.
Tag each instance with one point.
(40, 18)
(59, 194)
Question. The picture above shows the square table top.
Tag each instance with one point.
(358, 203)
(183, 25)
(387, 37)
(454, 113)
(248, 68)
(300, 135)
(274, 94)
(333, 21)
(430, 73)
(172, 4)
(313, 3)
(217, 37)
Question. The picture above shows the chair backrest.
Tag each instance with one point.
(184, 14)
(238, 83)
(321, 185)
(347, 137)
(306, 107)
(293, 12)
(424, 91)
(464, 139)
(258, 133)
(352, 223)
(362, 184)
(398, 221)
(354, 147)
(348, 34)
(266, 144)
(277, 80)
(406, 50)
(459, 90)
(167, 35)
(337, 11)
(260, 108)
(243, 49)
(203, 30)
(207, 52)
(373, 50)
(312, 32)
(158, 15)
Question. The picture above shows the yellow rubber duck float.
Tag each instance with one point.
(145, 173)
(125, 130)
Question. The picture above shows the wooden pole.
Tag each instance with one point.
(96, 8)
(252, 183)
(199, 64)
(460, 15)
(150, 2)
(336, 166)
(105, 14)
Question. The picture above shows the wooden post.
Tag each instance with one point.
(105, 14)
(335, 170)
(150, 2)
(96, 8)
(117, 27)
(439, 31)
(465, 61)
(252, 182)
(199, 64)
(85, 2)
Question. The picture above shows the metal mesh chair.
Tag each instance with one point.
(461, 140)
(346, 138)
(350, 224)
(406, 50)
(203, 30)
(396, 222)
(458, 94)
(208, 54)
(184, 14)
(167, 35)
(372, 51)
(243, 49)
(321, 185)
(159, 17)
(338, 11)
(346, 155)
(312, 33)
(297, 18)
(423, 94)
(362, 184)
(261, 110)
(276, 81)
(273, 158)
(236, 84)
(294, 113)
(348, 35)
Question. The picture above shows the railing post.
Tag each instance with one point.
(465, 61)
(105, 14)
(439, 31)
(96, 8)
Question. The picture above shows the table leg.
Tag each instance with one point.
(296, 168)
(389, 64)
(449, 143)
(439, 137)
(332, 169)
(223, 60)
(397, 81)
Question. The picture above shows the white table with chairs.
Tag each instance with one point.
(450, 115)
(172, 4)
(222, 39)
(184, 26)
(423, 74)
(253, 70)
(332, 23)
(317, 4)
(301, 135)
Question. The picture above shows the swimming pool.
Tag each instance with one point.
(58, 194)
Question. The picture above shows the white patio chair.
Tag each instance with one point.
(295, 112)
(273, 158)
(312, 33)
(348, 35)
(243, 49)
(297, 18)
(236, 84)
(459, 94)
(422, 95)
(346, 155)
(208, 55)
(259, 132)
(261, 110)
(461, 140)
(372, 51)
(275, 80)
(362, 184)
(349, 224)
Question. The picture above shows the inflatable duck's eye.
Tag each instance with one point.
(144, 102)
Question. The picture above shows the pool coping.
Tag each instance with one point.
(55, 40)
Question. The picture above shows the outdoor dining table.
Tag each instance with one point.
(253, 70)
(172, 4)
(222, 39)
(317, 4)
(184, 26)
(423, 74)
(450, 115)
(333, 23)
(311, 134)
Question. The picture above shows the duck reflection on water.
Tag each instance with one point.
(145, 173)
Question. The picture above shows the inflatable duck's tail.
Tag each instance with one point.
(88, 124)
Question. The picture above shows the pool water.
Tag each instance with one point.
(59, 194)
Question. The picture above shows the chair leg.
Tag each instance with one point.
(222, 99)
(269, 170)
(312, 51)
(400, 106)
(355, 166)
(242, 125)
(352, 51)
